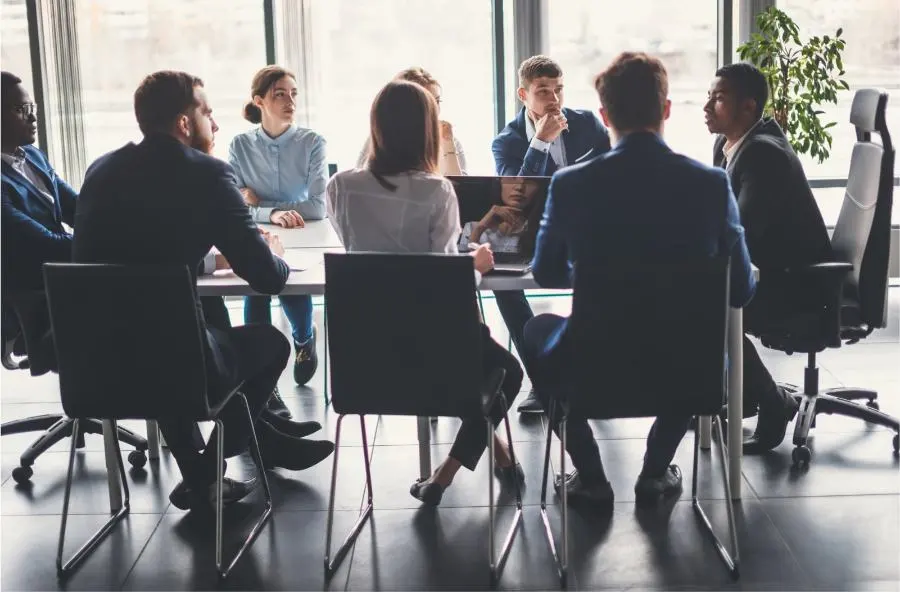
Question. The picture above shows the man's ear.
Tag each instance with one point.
(667, 109)
(604, 116)
(521, 93)
(183, 125)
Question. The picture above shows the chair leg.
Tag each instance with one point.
(731, 560)
(325, 352)
(64, 569)
(497, 562)
(331, 565)
(267, 512)
(561, 557)
(152, 440)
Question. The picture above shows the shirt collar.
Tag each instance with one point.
(529, 127)
(16, 158)
(730, 152)
(280, 140)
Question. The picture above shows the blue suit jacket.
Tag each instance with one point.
(640, 201)
(513, 155)
(32, 227)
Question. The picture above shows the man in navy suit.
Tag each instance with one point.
(36, 202)
(641, 200)
(542, 139)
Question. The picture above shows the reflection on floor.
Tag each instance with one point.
(835, 526)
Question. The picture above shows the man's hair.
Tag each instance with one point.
(262, 82)
(539, 66)
(418, 75)
(162, 97)
(747, 82)
(633, 91)
(405, 133)
(8, 81)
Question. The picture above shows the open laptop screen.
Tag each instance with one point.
(504, 212)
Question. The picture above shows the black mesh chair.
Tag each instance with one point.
(852, 288)
(645, 340)
(130, 346)
(32, 350)
(409, 322)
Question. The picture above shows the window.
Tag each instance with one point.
(360, 46)
(121, 42)
(585, 35)
(14, 49)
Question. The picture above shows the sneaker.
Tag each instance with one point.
(184, 498)
(648, 490)
(306, 361)
(531, 404)
(598, 494)
(277, 406)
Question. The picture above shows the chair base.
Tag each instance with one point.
(58, 427)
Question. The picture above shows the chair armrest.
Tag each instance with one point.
(829, 277)
(490, 389)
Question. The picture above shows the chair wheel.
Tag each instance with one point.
(801, 456)
(23, 474)
(137, 458)
(873, 405)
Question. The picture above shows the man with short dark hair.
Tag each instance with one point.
(642, 199)
(783, 224)
(543, 138)
(166, 201)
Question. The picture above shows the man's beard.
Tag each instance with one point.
(204, 145)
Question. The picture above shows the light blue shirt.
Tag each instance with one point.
(286, 173)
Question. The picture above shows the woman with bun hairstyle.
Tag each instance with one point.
(282, 172)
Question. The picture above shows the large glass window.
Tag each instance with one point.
(14, 48)
(585, 35)
(121, 42)
(359, 46)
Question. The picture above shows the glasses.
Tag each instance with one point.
(25, 109)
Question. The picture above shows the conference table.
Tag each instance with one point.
(304, 252)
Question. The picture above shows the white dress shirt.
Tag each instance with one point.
(556, 148)
(731, 151)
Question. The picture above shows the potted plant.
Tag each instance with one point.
(802, 76)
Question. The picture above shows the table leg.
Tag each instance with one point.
(735, 398)
(705, 434)
(424, 447)
(111, 449)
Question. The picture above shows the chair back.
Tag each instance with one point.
(129, 342)
(649, 339)
(862, 234)
(403, 334)
(332, 169)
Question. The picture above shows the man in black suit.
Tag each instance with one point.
(166, 201)
(784, 228)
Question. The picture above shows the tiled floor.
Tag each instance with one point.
(835, 526)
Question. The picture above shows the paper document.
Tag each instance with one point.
(297, 260)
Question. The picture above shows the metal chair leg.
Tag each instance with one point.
(560, 558)
(267, 513)
(497, 562)
(331, 565)
(152, 440)
(731, 560)
(64, 569)
(325, 352)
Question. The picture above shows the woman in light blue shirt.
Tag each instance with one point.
(282, 173)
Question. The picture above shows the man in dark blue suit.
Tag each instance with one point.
(639, 200)
(36, 201)
(542, 139)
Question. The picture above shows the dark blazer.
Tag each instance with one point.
(513, 155)
(32, 226)
(783, 224)
(640, 202)
(161, 202)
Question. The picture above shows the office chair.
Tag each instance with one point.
(853, 288)
(411, 322)
(113, 368)
(679, 369)
(35, 342)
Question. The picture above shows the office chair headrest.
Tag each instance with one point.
(867, 111)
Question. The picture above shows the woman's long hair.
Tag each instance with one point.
(405, 132)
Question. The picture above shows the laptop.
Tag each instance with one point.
(504, 212)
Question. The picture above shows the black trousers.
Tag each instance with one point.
(546, 359)
(471, 439)
(260, 353)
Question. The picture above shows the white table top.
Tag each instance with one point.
(316, 234)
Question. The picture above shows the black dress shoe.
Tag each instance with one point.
(771, 427)
(531, 404)
(184, 498)
(294, 429)
(306, 360)
(510, 475)
(277, 406)
(648, 490)
(598, 493)
(429, 493)
(280, 450)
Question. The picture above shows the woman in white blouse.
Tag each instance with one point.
(399, 204)
(451, 158)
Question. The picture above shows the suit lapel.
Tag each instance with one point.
(31, 193)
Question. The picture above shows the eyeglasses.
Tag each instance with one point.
(25, 109)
